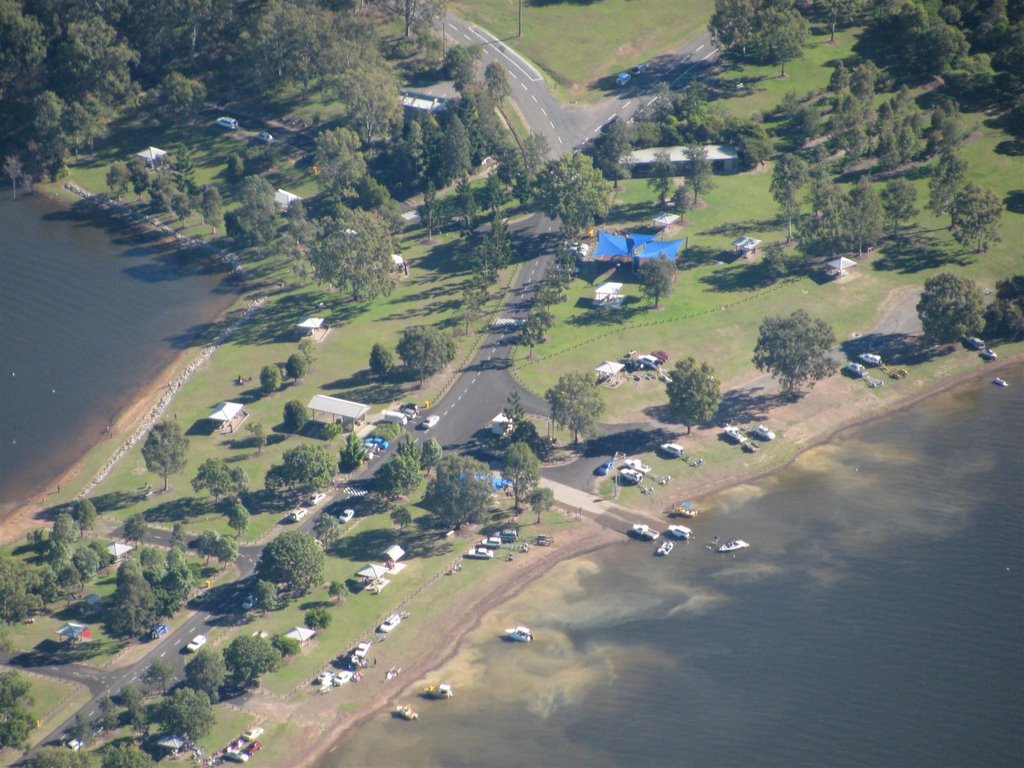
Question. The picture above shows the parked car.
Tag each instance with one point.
(227, 122)
(973, 342)
(869, 358)
(622, 78)
(409, 409)
(298, 515)
(734, 435)
(479, 553)
(761, 432)
(265, 137)
(159, 631)
(605, 468)
(390, 623)
(661, 354)
(491, 542)
(249, 602)
(636, 464)
(509, 535)
(346, 515)
(197, 642)
(989, 354)
(629, 476)
(394, 417)
(671, 449)
(316, 498)
(376, 444)
(429, 422)
(856, 370)
(639, 69)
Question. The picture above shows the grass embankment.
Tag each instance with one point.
(582, 48)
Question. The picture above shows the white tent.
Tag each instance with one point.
(609, 368)
(226, 412)
(119, 550)
(284, 198)
(152, 155)
(663, 220)
(394, 553)
(72, 631)
(302, 634)
(311, 324)
(840, 265)
(371, 572)
(499, 424)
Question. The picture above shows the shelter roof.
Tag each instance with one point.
(609, 368)
(338, 407)
(152, 154)
(371, 571)
(302, 634)
(394, 553)
(119, 550)
(284, 198)
(71, 629)
(311, 323)
(225, 411)
(679, 154)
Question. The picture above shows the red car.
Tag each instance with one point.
(254, 747)
(663, 356)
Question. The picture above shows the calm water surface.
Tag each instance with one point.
(88, 316)
(876, 621)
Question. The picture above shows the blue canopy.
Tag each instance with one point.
(670, 248)
(619, 245)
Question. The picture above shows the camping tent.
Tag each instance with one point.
(609, 368)
(302, 634)
(119, 550)
(607, 293)
(840, 265)
(171, 742)
(746, 245)
(499, 424)
(284, 198)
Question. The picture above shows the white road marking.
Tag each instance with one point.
(534, 97)
(709, 55)
(134, 678)
(560, 140)
(163, 654)
(91, 711)
(513, 74)
(551, 124)
(627, 103)
(699, 48)
(452, 26)
(524, 87)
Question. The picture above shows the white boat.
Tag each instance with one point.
(686, 509)
(390, 623)
(665, 548)
(733, 545)
(519, 634)
(637, 465)
(679, 532)
(644, 531)
(1000, 382)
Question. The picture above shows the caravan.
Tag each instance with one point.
(395, 417)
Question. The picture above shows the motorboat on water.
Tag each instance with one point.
(644, 531)
(439, 691)
(733, 545)
(405, 712)
(665, 548)
(519, 634)
(686, 509)
(1000, 382)
(679, 532)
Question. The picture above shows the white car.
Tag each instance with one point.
(989, 354)
(197, 642)
(973, 342)
(316, 498)
(671, 449)
(763, 433)
(855, 369)
(479, 553)
(869, 358)
(629, 476)
(734, 435)
(637, 465)
(265, 137)
(429, 422)
(298, 515)
(346, 515)
(390, 623)
(227, 122)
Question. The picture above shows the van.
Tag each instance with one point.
(227, 122)
(509, 535)
(299, 514)
(395, 417)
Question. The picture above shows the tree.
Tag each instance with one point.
(425, 351)
(124, 756)
(14, 170)
(92, 60)
(950, 308)
(576, 403)
(522, 469)
(211, 206)
(865, 223)
(788, 176)
(656, 278)
(84, 514)
(159, 672)
(428, 209)
(206, 672)
(353, 453)
(400, 476)
(293, 559)
(266, 596)
(118, 178)
(474, 297)
(732, 24)
(370, 90)
(180, 95)
(225, 549)
(131, 698)
(534, 330)
(431, 454)
(304, 468)
(16, 718)
(317, 618)
(354, 251)
(401, 517)
(945, 181)
(898, 201)
(296, 415)
(339, 162)
(571, 189)
(249, 656)
(975, 217)
(135, 528)
(698, 171)
(459, 491)
(780, 35)
(164, 450)
(257, 212)
(1005, 316)
(382, 362)
(327, 529)
(258, 432)
(270, 378)
(215, 476)
(541, 500)
(187, 712)
(693, 393)
(610, 147)
(496, 82)
(662, 178)
(795, 350)
(774, 264)
(337, 590)
(238, 518)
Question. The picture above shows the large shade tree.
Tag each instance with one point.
(459, 491)
(795, 350)
(522, 469)
(293, 559)
(571, 189)
(576, 403)
(305, 468)
(425, 350)
(164, 450)
(950, 308)
(694, 392)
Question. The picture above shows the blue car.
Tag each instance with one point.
(605, 468)
(376, 443)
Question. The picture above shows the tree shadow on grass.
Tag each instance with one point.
(749, 404)
(895, 348)
(629, 310)
(917, 252)
(179, 510)
(699, 256)
(738, 277)
(364, 546)
(53, 653)
(201, 428)
(629, 439)
(1014, 200)
(115, 500)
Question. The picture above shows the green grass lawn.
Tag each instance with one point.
(583, 46)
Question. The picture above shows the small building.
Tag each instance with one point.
(499, 424)
(302, 634)
(284, 199)
(173, 743)
(839, 266)
(334, 410)
(608, 370)
(746, 245)
(119, 551)
(724, 159)
(665, 220)
(371, 572)
(423, 102)
(315, 327)
(72, 632)
(392, 555)
(92, 601)
(153, 156)
(228, 416)
(608, 295)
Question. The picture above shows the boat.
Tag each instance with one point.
(1000, 382)
(637, 466)
(644, 531)
(679, 532)
(439, 691)
(519, 634)
(686, 509)
(665, 548)
(406, 712)
(733, 545)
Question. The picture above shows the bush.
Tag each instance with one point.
(286, 646)
(296, 416)
(388, 431)
(317, 618)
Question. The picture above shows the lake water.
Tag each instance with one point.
(89, 315)
(875, 620)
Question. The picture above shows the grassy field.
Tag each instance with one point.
(582, 46)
